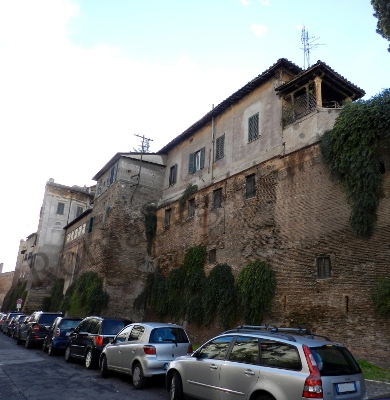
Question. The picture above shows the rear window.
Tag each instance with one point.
(167, 334)
(334, 361)
(47, 319)
(69, 323)
(112, 327)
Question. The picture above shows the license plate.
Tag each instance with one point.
(342, 388)
(165, 366)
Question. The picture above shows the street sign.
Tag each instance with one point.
(19, 301)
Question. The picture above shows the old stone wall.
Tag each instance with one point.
(297, 215)
(5, 286)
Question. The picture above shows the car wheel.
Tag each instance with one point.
(264, 397)
(68, 357)
(50, 350)
(27, 343)
(139, 380)
(44, 346)
(103, 367)
(89, 360)
(176, 389)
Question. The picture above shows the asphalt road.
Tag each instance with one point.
(34, 375)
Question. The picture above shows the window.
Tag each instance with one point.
(323, 267)
(100, 186)
(112, 175)
(220, 147)
(245, 350)
(79, 211)
(136, 332)
(90, 226)
(167, 218)
(279, 355)
(196, 162)
(60, 208)
(250, 187)
(212, 256)
(172, 175)
(191, 208)
(216, 349)
(217, 198)
(253, 127)
(122, 335)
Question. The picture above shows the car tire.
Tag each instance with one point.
(50, 350)
(18, 341)
(139, 379)
(27, 343)
(104, 373)
(44, 346)
(89, 360)
(68, 357)
(264, 397)
(176, 389)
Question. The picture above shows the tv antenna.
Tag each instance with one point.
(308, 45)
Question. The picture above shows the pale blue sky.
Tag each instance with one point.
(80, 78)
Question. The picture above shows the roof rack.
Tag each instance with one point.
(277, 330)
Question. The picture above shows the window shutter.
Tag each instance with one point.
(202, 153)
(174, 174)
(191, 165)
(114, 171)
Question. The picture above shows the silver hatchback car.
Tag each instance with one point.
(263, 363)
(144, 350)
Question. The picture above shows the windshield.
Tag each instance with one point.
(168, 334)
(335, 360)
(47, 319)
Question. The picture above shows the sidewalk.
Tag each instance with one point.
(374, 388)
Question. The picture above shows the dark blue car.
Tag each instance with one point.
(58, 334)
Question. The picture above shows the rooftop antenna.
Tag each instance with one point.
(308, 45)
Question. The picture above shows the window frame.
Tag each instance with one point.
(167, 217)
(191, 208)
(212, 256)
(217, 198)
(111, 178)
(220, 147)
(323, 267)
(250, 186)
(60, 208)
(172, 175)
(196, 161)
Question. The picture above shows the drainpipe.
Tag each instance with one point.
(212, 144)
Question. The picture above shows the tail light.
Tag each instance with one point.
(149, 350)
(190, 349)
(313, 383)
(99, 340)
(36, 328)
(58, 331)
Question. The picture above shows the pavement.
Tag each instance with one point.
(375, 389)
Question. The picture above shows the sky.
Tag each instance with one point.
(81, 79)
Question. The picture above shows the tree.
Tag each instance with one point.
(382, 12)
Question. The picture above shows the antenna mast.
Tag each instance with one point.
(308, 45)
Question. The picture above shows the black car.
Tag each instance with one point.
(36, 328)
(19, 320)
(58, 334)
(87, 341)
(7, 320)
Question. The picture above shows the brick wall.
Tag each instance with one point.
(297, 215)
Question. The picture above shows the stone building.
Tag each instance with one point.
(61, 204)
(112, 240)
(5, 284)
(263, 193)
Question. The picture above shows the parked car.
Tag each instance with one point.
(11, 325)
(58, 334)
(262, 363)
(143, 350)
(88, 339)
(19, 320)
(35, 329)
(7, 320)
(2, 318)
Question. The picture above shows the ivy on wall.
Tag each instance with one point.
(150, 228)
(85, 296)
(350, 152)
(54, 301)
(17, 293)
(381, 297)
(187, 294)
(188, 192)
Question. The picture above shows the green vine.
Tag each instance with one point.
(85, 296)
(150, 229)
(381, 297)
(256, 285)
(19, 292)
(350, 150)
(189, 295)
(54, 301)
(188, 192)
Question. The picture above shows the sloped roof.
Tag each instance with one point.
(331, 77)
(233, 99)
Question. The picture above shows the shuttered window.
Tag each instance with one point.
(172, 175)
(323, 267)
(60, 208)
(253, 127)
(220, 147)
(112, 175)
(196, 161)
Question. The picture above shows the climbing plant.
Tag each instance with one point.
(188, 192)
(256, 285)
(85, 296)
(350, 151)
(150, 229)
(19, 292)
(54, 301)
(381, 297)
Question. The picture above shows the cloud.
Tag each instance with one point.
(259, 30)
(245, 2)
(264, 2)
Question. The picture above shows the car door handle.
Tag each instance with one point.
(213, 366)
(249, 372)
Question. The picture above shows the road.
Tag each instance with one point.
(32, 374)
